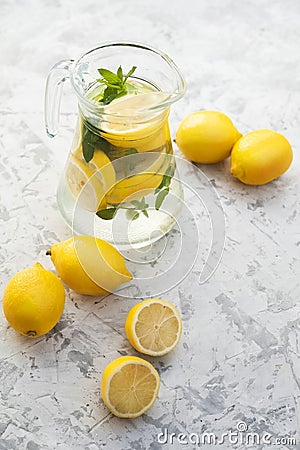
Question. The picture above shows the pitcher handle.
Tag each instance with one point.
(56, 77)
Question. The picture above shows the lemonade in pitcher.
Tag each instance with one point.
(120, 181)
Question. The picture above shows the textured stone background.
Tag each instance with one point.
(239, 357)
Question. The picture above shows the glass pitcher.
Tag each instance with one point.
(120, 181)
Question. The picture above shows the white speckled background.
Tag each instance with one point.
(239, 357)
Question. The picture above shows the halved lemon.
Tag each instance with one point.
(129, 386)
(153, 327)
(84, 186)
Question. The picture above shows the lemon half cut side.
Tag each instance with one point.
(153, 327)
(129, 386)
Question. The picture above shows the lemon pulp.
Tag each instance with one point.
(121, 130)
(153, 327)
(129, 386)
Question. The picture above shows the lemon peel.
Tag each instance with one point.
(33, 301)
(260, 156)
(206, 136)
(89, 265)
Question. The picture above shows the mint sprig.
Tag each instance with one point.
(140, 206)
(115, 83)
(164, 188)
(132, 212)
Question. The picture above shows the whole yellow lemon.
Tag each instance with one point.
(89, 265)
(206, 136)
(33, 301)
(260, 157)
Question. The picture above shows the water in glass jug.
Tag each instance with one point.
(120, 182)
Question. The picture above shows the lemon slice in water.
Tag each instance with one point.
(102, 166)
(124, 129)
(84, 186)
(133, 187)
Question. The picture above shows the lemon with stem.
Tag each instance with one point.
(89, 265)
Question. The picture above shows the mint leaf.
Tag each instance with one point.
(140, 204)
(129, 151)
(160, 198)
(166, 179)
(88, 152)
(115, 82)
(109, 95)
(109, 76)
(88, 147)
(136, 203)
(129, 73)
(114, 86)
(144, 205)
(120, 93)
(120, 73)
(130, 213)
(91, 141)
(106, 214)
